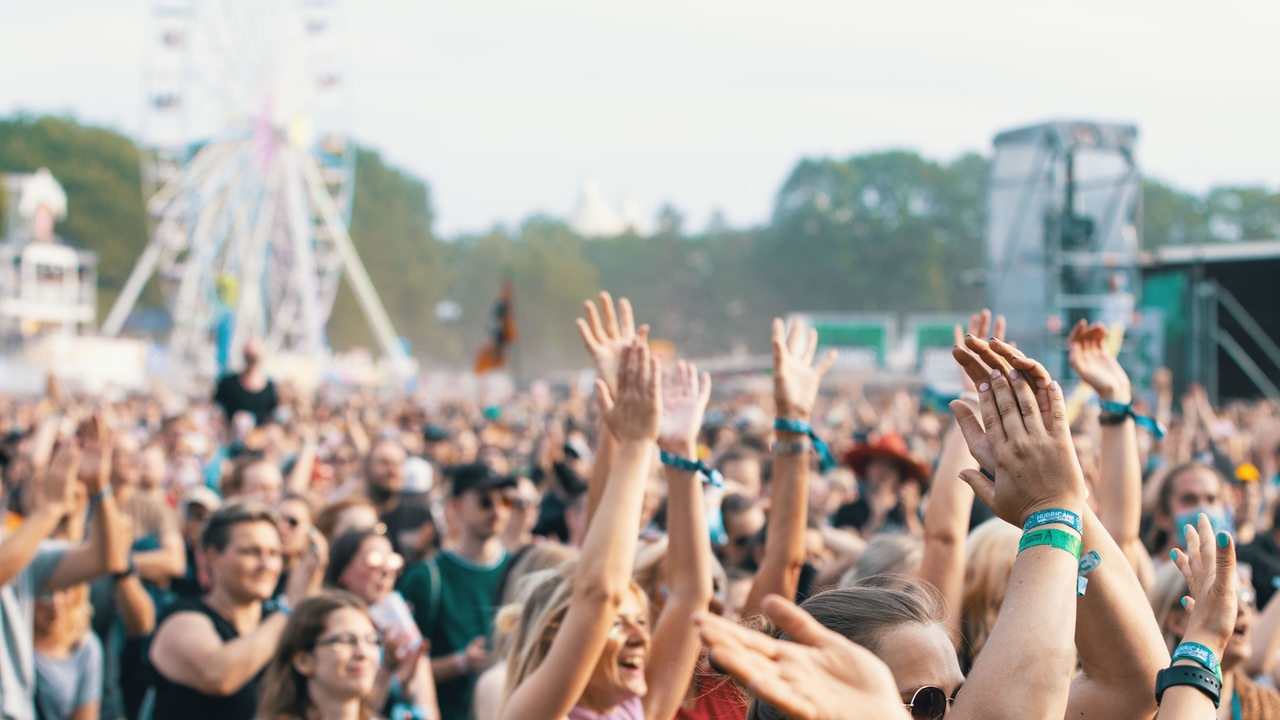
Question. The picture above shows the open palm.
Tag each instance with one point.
(605, 333)
(684, 399)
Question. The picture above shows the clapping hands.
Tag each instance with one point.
(1024, 436)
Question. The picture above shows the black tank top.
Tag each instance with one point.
(180, 702)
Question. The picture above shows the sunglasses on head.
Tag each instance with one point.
(929, 703)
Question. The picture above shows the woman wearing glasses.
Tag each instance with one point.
(326, 663)
(363, 563)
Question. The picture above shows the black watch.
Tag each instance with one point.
(128, 572)
(1195, 676)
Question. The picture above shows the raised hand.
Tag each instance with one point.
(306, 577)
(795, 376)
(1209, 565)
(998, 353)
(96, 440)
(1031, 454)
(1091, 359)
(980, 323)
(634, 412)
(684, 399)
(58, 494)
(820, 676)
(607, 333)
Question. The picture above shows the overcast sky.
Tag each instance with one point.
(506, 107)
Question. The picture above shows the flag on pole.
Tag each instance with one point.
(501, 333)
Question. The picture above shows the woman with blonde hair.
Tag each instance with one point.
(897, 554)
(989, 557)
(582, 647)
(325, 665)
(532, 566)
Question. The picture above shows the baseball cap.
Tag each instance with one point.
(481, 477)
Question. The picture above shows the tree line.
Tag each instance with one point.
(876, 232)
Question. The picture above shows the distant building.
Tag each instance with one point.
(46, 286)
(596, 217)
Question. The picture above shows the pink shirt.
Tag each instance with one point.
(629, 710)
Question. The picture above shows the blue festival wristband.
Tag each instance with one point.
(1048, 517)
(825, 461)
(710, 476)
(1088, 563)
(1119, 409)
(95, 500)
(1202, 655)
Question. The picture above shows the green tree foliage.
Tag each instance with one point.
(391, 229)
(1225, 214)
(886, 231)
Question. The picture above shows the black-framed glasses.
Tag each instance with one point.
(929, 703)
(350, 640)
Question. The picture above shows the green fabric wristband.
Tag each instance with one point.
(1052, 537)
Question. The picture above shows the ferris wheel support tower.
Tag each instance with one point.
(249, 180)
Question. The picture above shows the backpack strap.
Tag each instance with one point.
(434, 602)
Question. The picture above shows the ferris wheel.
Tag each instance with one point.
(248, 175)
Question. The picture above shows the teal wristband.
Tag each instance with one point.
(1123, 410)
(1048, 517)
(1201, 655)
(799, 426)
(1052, 537)
(280, 604)
(96, 499)
(710, 475)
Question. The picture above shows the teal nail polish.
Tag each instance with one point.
(1184, 602)
(1173, 554)
(1223, 539)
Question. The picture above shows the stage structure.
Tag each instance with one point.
(248, 175)
(1063, 219)
(1218, 304)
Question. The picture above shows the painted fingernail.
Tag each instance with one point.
(984, 387)
(1223, 539)
(995, 373)
(1173, 554)
(1184, 602)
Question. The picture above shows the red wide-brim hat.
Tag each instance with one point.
(889, 446)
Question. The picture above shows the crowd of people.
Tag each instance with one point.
(654, 548)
